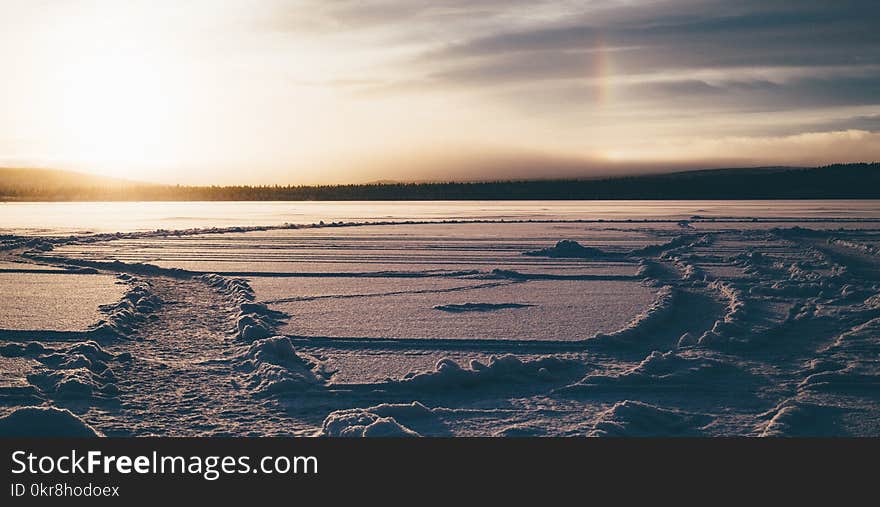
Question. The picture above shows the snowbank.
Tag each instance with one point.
(137, 302)
(78, 371)
(567, 248)
(254, 321)
(521, 430)
(140, 268)
(795, 418)
(636, 419)
(649, 269)
(734, 326)
(682, 242)
(235, 288)
(854, 245)
(861, 339)
(274, 367)
(507, 369)
(385, 420)
(644, 323)
(669, 371)
(850, 379)
(689, 272)
(44, 422)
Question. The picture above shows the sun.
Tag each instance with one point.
(115, 113)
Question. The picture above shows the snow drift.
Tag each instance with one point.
(636, 419)
(137, 302)
(669, 371)
(44, 422)
(644, 323)
(274, 367)
(254, 321)
(385, 420)
(567, 248)
(504, 370)
(78, 371)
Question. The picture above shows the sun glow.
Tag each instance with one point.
(112, 107)
(281, 91)
(114, 112)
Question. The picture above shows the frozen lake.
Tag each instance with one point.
(78, 217)
(509, 318)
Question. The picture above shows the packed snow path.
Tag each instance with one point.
(182, 379)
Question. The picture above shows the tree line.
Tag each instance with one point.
(840, 181)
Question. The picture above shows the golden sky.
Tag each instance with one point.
(329, 91)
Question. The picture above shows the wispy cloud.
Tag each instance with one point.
(296, 90)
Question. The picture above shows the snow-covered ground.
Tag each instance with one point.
(54, 300)
(731, 325)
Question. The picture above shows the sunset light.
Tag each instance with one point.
(239, 237)
(311, 92)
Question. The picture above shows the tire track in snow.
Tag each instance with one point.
(183, 380)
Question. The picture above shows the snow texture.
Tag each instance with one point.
(694, 325)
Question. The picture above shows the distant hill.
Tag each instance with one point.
(840, 181)
(56, 185)
(54, 178)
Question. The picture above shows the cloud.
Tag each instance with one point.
(762, 95)
(320, 90)
(680, 36)
(805, 149)
(751, 56)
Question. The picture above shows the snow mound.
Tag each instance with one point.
(521, 430)
(383, 421)
(78, 371)
(861, 339)
(357, 423)
(795, 418)
(44, 422)
(851, 379)
(74, 383)
(669, 371)
(274, 367)
(649, 269)
(137, 302)
(250, 327)
(644, 323)
(678, 243)
(88, 265)
(507, 369)
(636, 419)
(30, 349)
(567, 248)
(255, 321)
(735, 327)
(236, 288)
(55, 356)
(855, 245)
(479, 307)
(689, 272)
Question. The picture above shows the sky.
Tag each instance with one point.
(336, 91)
